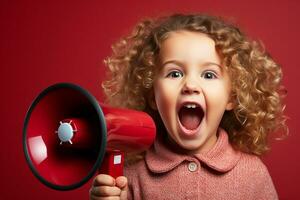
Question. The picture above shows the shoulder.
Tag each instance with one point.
(255, 176)
(253, 165)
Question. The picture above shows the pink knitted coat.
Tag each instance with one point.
(221, 173)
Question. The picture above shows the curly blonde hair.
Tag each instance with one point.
(256, 78)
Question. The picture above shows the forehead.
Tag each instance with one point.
(189, 46)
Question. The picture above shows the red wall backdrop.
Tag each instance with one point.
(45, 42)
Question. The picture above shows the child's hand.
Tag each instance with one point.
(106, 187)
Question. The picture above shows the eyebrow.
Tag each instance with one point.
(181, 63)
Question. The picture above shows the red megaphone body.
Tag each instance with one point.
(68, 136)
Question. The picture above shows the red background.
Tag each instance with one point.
(45, 42)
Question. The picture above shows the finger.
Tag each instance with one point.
(104, 191)
(123, 195)
(122, 183)
(104, 198)
(104, 179)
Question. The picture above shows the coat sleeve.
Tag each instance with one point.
(131, 172)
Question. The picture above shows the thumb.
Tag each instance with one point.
(122, 183)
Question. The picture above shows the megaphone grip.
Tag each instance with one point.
(113, 164)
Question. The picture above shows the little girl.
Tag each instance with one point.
(215, 96)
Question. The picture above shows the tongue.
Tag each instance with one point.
(189, 118)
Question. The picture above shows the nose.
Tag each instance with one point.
(191, 87)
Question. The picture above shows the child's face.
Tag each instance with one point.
(191, 75)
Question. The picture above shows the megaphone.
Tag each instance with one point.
(68, 136)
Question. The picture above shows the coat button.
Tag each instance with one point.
(192, 166)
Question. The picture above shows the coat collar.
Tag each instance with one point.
(222, 157)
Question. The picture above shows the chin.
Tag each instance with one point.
(190, 145)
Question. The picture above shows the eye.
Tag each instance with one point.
(175, 74)
(209, 75)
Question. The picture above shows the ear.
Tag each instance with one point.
(151, 100)
(231, 101)
(229, 106)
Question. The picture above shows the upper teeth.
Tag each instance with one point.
(190, 105)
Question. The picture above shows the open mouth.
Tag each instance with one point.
(190, 115)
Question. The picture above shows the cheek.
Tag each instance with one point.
(164, 97)
(216, 100)
(160, 92)
(218, 92)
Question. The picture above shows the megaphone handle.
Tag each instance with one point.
(113, 164)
